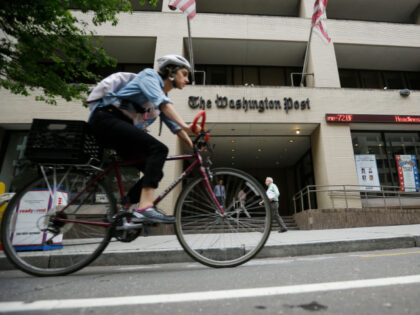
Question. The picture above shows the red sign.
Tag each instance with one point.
(361, 118)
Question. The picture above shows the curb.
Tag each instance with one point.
(120, 258)
(332, 247)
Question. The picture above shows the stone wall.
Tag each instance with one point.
(342, 218)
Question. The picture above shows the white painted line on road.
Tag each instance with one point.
(391, 254)
(52, 305)
(131, 268)
(270, 261)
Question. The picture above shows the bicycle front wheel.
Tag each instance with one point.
(223, 240)
(39, 244)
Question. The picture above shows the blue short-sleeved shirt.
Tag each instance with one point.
(144, 90)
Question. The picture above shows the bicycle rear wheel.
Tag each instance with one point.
(37, 243)
(228, 240)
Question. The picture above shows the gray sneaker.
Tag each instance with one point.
(151, 215)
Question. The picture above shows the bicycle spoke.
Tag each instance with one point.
(58, 247)
(223, 240)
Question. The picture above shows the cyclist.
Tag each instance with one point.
(120, 121)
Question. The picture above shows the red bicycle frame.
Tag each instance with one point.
(115, 166)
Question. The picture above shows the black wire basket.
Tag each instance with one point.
(62, 141)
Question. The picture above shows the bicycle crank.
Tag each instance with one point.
(125, 231)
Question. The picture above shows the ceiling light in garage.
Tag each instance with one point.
(298, 131)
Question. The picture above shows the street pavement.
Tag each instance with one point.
(380, 282)
(166, 248)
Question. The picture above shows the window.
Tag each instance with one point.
(250, 76)
(272, 76)
(241, 75)
(413, 80)
(217, 75)
(371, 80)
(385, 146)
(394, 80)
(375, 79)
(349, 79)
(296, 78)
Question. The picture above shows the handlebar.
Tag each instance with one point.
(201, 114)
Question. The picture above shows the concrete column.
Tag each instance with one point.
(168, 43)
(171, 170)
(306, 8)
(321, 56)
(333, 160)
(323, 64)
(416, 15)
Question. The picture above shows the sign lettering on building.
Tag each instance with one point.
(222, 102)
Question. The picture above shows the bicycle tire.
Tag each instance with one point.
(32, 249)
(223, 241)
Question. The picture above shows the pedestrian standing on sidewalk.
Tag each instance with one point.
(273, 195)
(220, 193)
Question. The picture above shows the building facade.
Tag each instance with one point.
(248, 55)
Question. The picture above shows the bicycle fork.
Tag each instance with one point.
(207, 176)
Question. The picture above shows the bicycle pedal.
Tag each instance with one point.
(129, 226)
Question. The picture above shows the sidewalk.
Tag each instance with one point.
(166, 249)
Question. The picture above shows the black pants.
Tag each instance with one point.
(274, 205)
(115, 130)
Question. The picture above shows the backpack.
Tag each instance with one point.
(110, 84)
(113, 83)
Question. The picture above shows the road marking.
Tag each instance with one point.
(131, 268)
(393, 254)
(52, 305)
(261, 262)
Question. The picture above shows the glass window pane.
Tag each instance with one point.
(372, 143)
(413, 80)
(349, 78)
(371, 80)
(251, 75)
(400, 144)
(394, 80)
(296, 78)
(237, 75)
(272, 76)
(216, 75)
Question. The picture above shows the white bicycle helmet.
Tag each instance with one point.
(173, 60)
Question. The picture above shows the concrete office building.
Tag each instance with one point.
(247, 54)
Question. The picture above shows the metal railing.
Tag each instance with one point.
(348, 196)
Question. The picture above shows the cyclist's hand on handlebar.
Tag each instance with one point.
(195, 130)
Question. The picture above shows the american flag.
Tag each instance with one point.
(318, 18)
(186, 6)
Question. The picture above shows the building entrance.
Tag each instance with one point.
(280, 151)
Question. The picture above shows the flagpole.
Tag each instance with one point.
(306, 56)
(191, 53)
